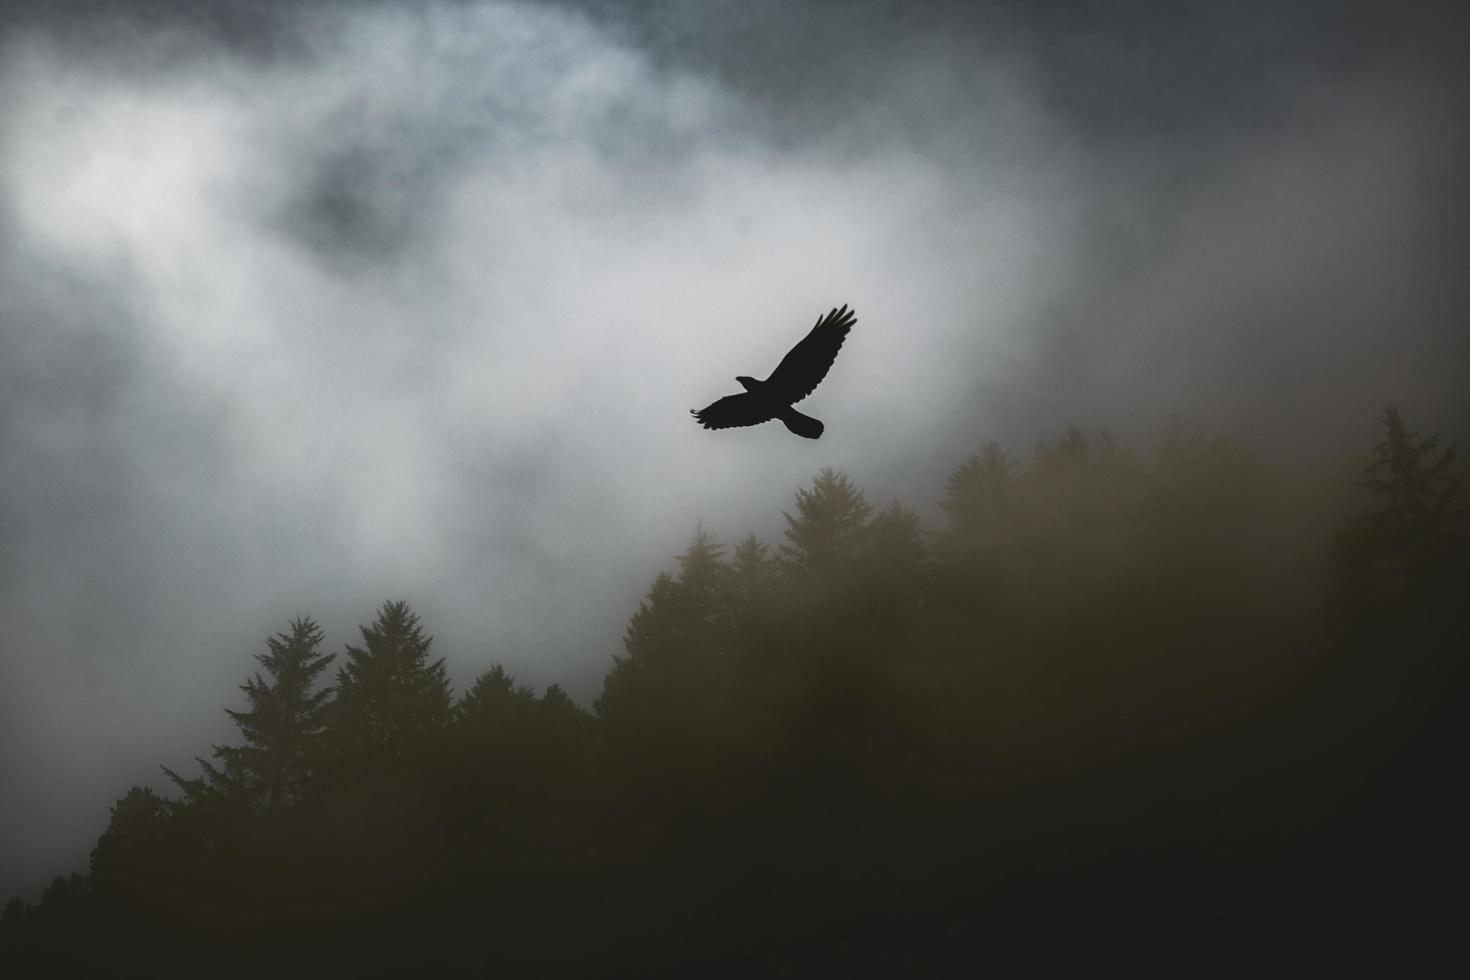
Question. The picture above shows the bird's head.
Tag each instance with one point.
(748, 383)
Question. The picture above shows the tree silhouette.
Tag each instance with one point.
(510, 755)
(12, 916)
(126, 860)
(1064, 465)
(895, 556)
(390, 696)
(751, 580)
(283, 729)
(561, 721)
(1419, 519)
(978, 492)
(1404, 557)
(146, 868)
(494, 705)
(827, 530)
(1116, 678)
(674, 645)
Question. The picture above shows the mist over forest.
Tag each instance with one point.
(372, 603)
(1115, 705)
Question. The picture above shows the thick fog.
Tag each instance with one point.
(302, 309)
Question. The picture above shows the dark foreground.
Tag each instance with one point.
(1184, 713)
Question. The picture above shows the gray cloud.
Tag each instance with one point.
(302, 309)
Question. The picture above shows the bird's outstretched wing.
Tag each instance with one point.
(732, 411)
(806, 364)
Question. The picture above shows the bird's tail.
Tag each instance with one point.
(803, 425)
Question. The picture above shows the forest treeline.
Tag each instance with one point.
(1196, 701)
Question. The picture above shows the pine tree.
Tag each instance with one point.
(560, 713)
(12, 916)
(1066, 461)
(826, 534)
(507, 737)
(562, 730)
(492, 744)
(494, 705)
(895, 554)
(283, 728)
(1419, 518)
(390, 696)
(703, 581)
(1412, 548)
(750, 582)
(129, 858)
(674, 642)
(978, 492)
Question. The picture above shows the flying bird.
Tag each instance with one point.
(799, 372)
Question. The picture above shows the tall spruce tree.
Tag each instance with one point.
(895, 555)
(283, 728)
(283, 725)
(827, 531)
(502, 728)
(494, 706)
(674, 641)
(751, 575)
(1410, 552)
(132, 852)
(1418, 518)
(750, 582)
(978, 491)
(390, 696)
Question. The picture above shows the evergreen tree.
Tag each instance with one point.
(500, 721)
(751, 576)
(510, 747)
(703, 582)
(562, 716)
(750, 582)
(494, 706)
(283, 730)
(51, 937)
(219, 799)
(130, 854)
(562, 731)
(390, 696)
(1419, 518)
(12, 916)
(894, 569)
(895, 554)
(978, 492)
(826, 534)
(1065, 463)
(1409, 553)
(284, 724)
(674, 642)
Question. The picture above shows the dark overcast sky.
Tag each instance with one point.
(304, 306)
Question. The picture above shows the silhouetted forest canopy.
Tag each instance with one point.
(1190, 699)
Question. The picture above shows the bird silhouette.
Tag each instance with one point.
(799, 372)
